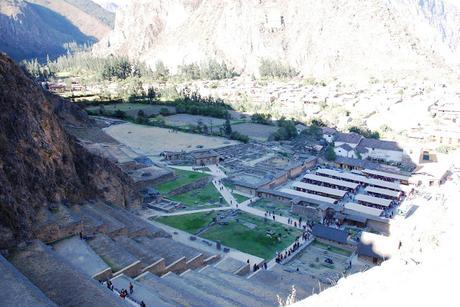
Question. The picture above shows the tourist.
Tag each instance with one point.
(273, 217)
(142, 304)
(131, 288)
(265, 265)
(247, 261)
(122, 294)
(109, 285)
(81, 235)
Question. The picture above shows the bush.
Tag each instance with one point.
(119, 114)
(265, 119)
(164, 111)
(239, 137)
(366, 132)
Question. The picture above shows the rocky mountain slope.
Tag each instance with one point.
(37, 28)
(111, 5)
(40, 164)
(320, 38)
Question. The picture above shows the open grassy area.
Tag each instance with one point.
(255, 241)
(279, 208)
(206, 197)
(240, 198)
(188, 222)
(331, 248)
(183, 178)
(245, 232)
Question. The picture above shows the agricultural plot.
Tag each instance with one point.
(149, 140)
(255, 131)
(132, 109)
(239, 230)
(182, 120)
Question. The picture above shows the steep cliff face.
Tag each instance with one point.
(321, 38)
(38, 28)
(39, 163)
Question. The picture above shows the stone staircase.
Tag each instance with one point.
(123, 248)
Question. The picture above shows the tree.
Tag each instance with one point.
(151, 94)
(366, 132)
(227, 127)
(330, 153)
(161, 71)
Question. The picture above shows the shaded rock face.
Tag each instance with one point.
(40, 163)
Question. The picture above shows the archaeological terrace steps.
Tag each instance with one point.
(58, 280)
(17, 290)
(164, 272)
(140, 293)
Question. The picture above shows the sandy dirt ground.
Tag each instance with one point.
(153, 140)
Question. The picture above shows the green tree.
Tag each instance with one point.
(330, 153)
(227, 127)
(161, 71)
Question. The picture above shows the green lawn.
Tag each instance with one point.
(240, 198)
(331, 248)
(183, 178)
(206, 197)
(238, 235)
(188, 222)
(279, 208)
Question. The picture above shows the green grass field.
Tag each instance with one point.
(188, 222)
(206, 197)
(240, 198)
(183, 178)
(239, 235)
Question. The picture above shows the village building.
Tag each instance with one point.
(330, 235)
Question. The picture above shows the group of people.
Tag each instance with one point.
(287, 253)
(256, 266)
(124, 293)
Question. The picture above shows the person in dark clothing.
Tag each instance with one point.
(142, 304)
(131, 288)
(81, 235)
(265, 265)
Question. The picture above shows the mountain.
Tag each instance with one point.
(42, 165)
(111, 5)
(38, 28)
(320, 38)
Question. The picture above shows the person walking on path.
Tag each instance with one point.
(131, 288)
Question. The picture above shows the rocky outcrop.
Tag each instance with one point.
(40, 164)
(321, 38)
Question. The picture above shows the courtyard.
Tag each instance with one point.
(236, 229)
(312, 260)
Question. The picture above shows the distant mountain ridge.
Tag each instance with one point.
(321, 38)
(37, 28)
